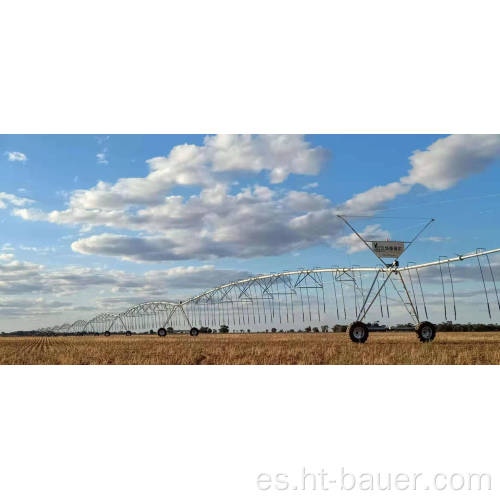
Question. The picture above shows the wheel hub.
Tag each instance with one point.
(358, 332)
(427, 332)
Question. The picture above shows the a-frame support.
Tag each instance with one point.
(389, 269)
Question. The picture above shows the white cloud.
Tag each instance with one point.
(252, 221)
(311, 185)
(215, 216)
(371, 232)
(281, 155)
(436, 239)
(204, 166)
(16, 156)
(452, 159)
(193, 277)
(6, 256)
(373, 198)
(32, 214)
(101, 157)
(306, 202)
(19, 307)
(12, 199)
(28, 285)
(40, 250)
(443, 164)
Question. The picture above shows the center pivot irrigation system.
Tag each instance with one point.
(301, 297)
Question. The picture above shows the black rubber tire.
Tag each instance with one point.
(107, 334)
(194, 332)
(128, 333)
(162, 332)
(426, 331)
(353, 331)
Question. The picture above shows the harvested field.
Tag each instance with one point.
(279, 348)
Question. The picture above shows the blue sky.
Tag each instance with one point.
(282, 193)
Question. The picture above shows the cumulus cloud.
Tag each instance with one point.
(193, 277)
(374, 198)
(452, 159)
(306, 202)
(281, 155)
(16, 156)
(442, 165)
(12, 199)
(216, 216)
(223, 220)
(371, 232)
(253, 222)
(131, 248)
(192, 165)
(20, 276)
(467, 271)
(18, 307)
(33, 284)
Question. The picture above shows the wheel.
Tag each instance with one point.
(107, 334)
(128, 333)
(194, 332)
(358, 332)
(426, 331)
(162, 332)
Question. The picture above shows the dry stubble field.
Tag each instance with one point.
(280, 348)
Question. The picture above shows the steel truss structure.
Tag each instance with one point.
(304, 297)
(300, 298)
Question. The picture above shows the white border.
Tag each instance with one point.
(226, 66)
(261, 66)
(208, 432)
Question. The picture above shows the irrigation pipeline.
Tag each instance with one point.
(294, 297)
